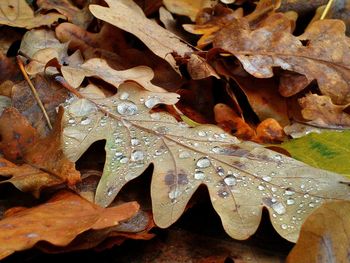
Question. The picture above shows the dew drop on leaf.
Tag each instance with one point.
(85, 121)
(184, 155)
(127, 108)
(151, 102)
(203, 162)
(199, 175)
(137, 156)
(230, 180)
(124, 96)
(267, 178)
(124, 160)
(278, 208)
(135, 141)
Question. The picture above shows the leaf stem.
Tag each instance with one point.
(326, 10)
(35, 93)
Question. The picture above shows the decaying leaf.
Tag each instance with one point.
(20, 142)
(241, 177)
(99, 68)
(128, 16)
(188, 7)
(329, 150)
(17, 13)
(321, 111)
(80, 17)
(274, 46)
(325, 235)
(58, 222)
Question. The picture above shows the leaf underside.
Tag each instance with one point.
(241, 177)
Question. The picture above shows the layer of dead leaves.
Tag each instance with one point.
(253, 69)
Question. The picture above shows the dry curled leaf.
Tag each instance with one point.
(325, 235)
(241, 177)
(321, 111)
(128, 16)
(17, 13)
(271, 46)
(58, 222)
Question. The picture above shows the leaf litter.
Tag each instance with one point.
(249, 74)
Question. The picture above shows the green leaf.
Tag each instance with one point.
(327, 150)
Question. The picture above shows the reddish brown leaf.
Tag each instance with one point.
(58, 222)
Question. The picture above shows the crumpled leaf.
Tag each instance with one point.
(322, 112)
(188, 8)
(17, 13)
(20, 142)
(324, 236)
(58, 222)
(128, 16)
(329, 150)
(241, 177)
(80, 17)
(97, 67)
(270, 46)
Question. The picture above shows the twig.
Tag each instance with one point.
(35, 93)
(326, 10)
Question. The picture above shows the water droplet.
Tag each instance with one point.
(230, 180)
(217, 150)
(135, 141)
(184, 155)
(71, 120)
(85, 121)
(118, 140)
(110, 191)
(278, 208)
(155, 116)
(284, 226)
(203, 162)
(261, 188)
(267, 178)
(124, 160)
(174, 194)
(290, 201)
(223, 194)
(127, 108)
(306, 195)
(311, 204)
(278, 157)
(151, 102)
(199, 175)
(162, 130)
(289, 192)
(220, 171)
(137, 156)
(124, 96)
(202, 133)
(223, 135)
(32, 235)
(118, 154)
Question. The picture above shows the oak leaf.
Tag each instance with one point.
(324, 236)
(128, 16)
(58, 222)
(17, 13)
(241, 177)
(269, 46)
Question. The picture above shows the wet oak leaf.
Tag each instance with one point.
(128, 16)
(329, 150)
(325, 235)
(241, 177)
(58, 222)
(322, 112)
(17, 13)
(324, 58)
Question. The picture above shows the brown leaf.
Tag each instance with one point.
(26, 177)
(325, 235)
(321, 111)
(50, 93)
(17, 13)
(198, 68)
(128, 16)
(269, 46)
(58, 222)
(80, 17)
(21, 141)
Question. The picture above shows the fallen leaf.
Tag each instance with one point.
(17, 13)
(300, 6)
(199, 69)
(188, 7)
(20, 141)
(58, 222)
(324, 236)
(328, 150)
(266, 47)
(241, 177)
(80, 17)
(50, 93)
(97, 67)
(27, 178)
(128, 16)
(322, 112)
